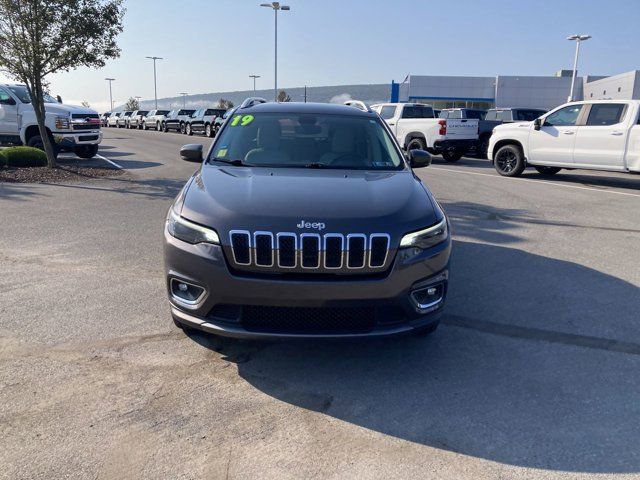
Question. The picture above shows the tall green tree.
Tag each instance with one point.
(41, 37)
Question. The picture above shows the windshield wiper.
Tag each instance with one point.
(315, 165)
(235, 163)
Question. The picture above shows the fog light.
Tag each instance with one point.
(185, 292)
(428, 297)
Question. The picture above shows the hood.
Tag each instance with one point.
(277, 200)
(61, 108)
(519, 125)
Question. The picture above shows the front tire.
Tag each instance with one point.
(36, 142)
(415, 144)
(164, 127)
(452, 156)
(509, 161)
(208, 132)
(547, 170)
(86, 151)
(182, 129)
(187, 129)
(158, 127)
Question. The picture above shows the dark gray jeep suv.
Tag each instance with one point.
(306, 220)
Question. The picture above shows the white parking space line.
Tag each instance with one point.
(536, 181)
(119, 167)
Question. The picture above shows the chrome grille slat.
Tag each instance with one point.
(353, 250)
(309, 251)
(293, 255)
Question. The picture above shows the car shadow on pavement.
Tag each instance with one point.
(535, 364)
(629, 181)
(520, 401)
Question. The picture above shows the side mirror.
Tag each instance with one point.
(537, 123)
(419, 158)
(191, 153)
(8, 101)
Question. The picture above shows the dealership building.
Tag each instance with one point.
(513, 91)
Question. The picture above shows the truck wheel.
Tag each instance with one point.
(452, 156)
(509, 161)
(86, 151)
(187, 129)
(482, 149)
(207, 131)
(548, 170)
(36, 142)
(415, 144)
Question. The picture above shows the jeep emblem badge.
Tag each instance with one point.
(314, 225)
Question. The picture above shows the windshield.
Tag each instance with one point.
(22, 93)
(307, 140)
(528, 115)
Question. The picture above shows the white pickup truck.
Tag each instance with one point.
(597, 135)
(72, 128)
(416, 127)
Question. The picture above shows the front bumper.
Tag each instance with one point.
(89, 137)
(461, 145)
(388, 297)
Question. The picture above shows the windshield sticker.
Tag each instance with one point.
(222, 153)
(242, 120)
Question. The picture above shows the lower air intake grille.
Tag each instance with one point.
(336, 320)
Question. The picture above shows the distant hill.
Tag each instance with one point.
(332, 94)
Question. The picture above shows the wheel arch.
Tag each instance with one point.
(33, 130)
(507, 141)
(411, 135)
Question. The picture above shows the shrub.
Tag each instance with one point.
(23, 157)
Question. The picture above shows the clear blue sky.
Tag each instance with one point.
(213, 45)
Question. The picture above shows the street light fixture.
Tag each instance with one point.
(254, 82)
(184, 99)
(110, 92)
(155, 83)
(577, 38)
(276, 6)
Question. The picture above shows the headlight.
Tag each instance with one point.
(188, 231)
(62, 123)
(427, 237)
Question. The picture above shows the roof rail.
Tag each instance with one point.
(251, 101)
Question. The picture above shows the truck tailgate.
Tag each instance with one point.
(462, 129)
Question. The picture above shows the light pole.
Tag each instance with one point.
(578, 39)
(184, 99)
(110, 92)
(276, 6)
(254, 82)
(155, 83)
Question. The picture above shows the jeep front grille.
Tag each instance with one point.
(309, 251)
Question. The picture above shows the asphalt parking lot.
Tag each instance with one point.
(533, 375)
